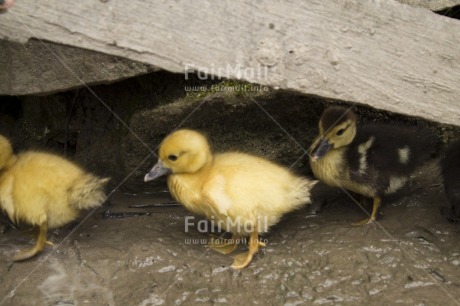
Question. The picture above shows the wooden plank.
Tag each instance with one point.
(380, 53)
(432, 5)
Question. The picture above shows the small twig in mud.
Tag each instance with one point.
(117, 215)
(168, 204)
(437, 275)
(425, 187)
(162, 192)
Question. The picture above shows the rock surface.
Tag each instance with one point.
(40, 67)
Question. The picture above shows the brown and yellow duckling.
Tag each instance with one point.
(44, 190)
(245, 194)
(5, 5)
(373, 160)
(450, 167)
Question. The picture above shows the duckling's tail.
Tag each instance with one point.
(88, 192)
(302, 190)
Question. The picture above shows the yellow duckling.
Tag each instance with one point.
(372, 160)
(44, 190)
(245, 194)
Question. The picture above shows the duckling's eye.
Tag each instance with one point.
(340, 132)
(172, 157)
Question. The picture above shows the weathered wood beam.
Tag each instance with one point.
(376, 52)
(432, 5)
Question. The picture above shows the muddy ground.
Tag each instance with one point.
(410, 257)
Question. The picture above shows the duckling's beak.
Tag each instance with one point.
(158, 170)
(320, 149)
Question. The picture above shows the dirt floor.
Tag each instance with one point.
(410, 257)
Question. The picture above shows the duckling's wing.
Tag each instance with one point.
(247, 186)
(235, 185)
(215, 197)
(399, 148)
(383, 156)
(363, 166)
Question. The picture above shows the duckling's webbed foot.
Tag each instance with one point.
(223, 245)
(26, 254)
(243, 260)
(364, 222)
(39, 245)
(372, 218)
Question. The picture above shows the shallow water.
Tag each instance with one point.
(410, 257)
